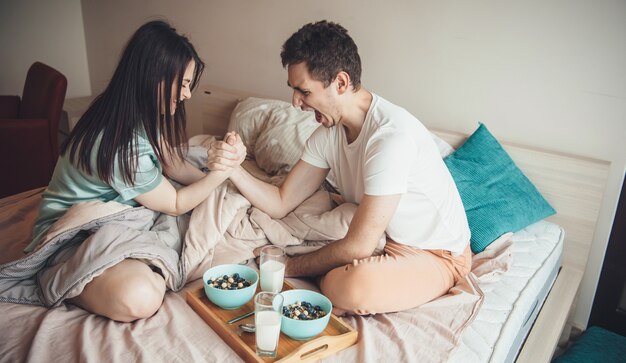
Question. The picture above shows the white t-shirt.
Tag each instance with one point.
(395, 154)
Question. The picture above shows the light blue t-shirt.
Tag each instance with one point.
(71, 185)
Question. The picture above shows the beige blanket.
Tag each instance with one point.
(222, 229)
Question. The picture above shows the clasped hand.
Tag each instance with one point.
(227, 154)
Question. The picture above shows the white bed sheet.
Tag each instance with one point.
(511, 296)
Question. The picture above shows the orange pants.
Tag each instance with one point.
(402, 278)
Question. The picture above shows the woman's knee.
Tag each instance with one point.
(125, 292)
(140, 297)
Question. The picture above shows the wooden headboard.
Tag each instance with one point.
(573, 185)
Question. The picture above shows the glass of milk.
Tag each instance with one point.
(272, 268)
(267, 317)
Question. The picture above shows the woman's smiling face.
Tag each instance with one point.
(185, 92)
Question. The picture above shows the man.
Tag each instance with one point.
(384, 160)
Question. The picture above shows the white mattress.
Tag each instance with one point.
(513, 299)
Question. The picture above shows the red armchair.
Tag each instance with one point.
(28, 131)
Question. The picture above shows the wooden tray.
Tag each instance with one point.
(337, 335)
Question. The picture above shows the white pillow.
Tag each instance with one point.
(273, 131)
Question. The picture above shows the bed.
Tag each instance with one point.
(515, 308)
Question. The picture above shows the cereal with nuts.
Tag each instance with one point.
(303, 310)
(229, 282)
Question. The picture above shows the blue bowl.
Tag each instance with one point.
(230, 299)
(305, 329)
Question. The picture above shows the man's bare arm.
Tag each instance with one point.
(302, 181)
(368, 224)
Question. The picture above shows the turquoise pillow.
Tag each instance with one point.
(498, 198)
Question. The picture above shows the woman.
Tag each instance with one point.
(120, 150)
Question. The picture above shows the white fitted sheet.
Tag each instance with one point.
(510, 299)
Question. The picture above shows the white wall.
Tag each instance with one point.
(548, 74)
(47, 31)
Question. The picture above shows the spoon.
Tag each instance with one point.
(248, 328)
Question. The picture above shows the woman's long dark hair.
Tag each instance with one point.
(155, 55)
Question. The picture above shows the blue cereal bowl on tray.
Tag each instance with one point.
(230, 294)
(301, 300)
